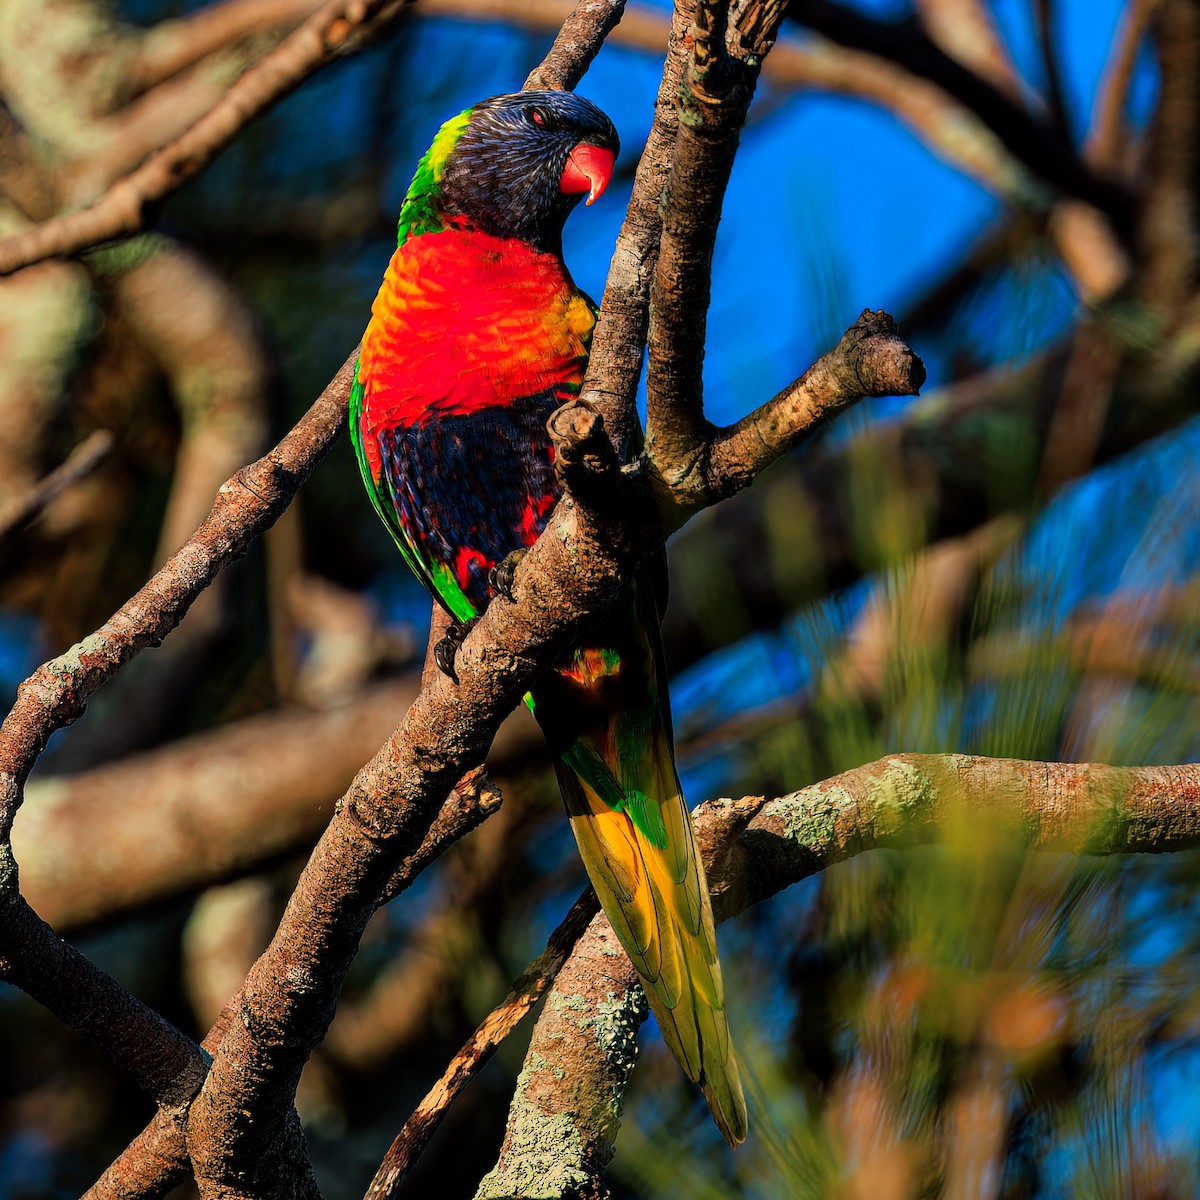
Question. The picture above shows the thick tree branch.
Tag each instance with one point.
(714, 97)
(337, 29)
(157, 1159)
(754, 848)
(566, 1109)
(615, 362)
(219, 803)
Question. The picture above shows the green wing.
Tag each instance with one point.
(436, 577)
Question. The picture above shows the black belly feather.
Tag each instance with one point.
(470, 488)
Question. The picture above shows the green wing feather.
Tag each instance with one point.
(437, 578)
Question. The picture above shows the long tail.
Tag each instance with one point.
(657, 901)
(606, 715)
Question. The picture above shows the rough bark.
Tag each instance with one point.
(566, 1109)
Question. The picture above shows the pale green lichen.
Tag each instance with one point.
(565, 1003)
(899, 792)
(615, 1025)
(809, 816)
(545, 1161)
(70, 662)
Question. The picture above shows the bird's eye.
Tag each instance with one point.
(538, 117)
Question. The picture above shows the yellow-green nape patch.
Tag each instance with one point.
(419, 214)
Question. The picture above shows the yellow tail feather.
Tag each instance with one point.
(657, 901)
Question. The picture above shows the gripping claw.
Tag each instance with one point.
(502, 575)
(444, 652)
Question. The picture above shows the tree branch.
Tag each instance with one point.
(470, 1060)
(618, 343)
(754, 848)
(337, 29)
(932, 472)
(1108, 133)
(714, 97)
(174, 45)
(1028, 139)
(81, 462)
(870, 360)
(578, 41)
(156, 1160)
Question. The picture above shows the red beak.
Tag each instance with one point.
(589, 169)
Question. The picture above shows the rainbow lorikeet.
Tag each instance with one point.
(478, 334)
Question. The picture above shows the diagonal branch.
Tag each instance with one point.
(1027, 138)
(336, 30)
(80, 463)
(754, 848)
(577, 42)
(157, 1159)
(56, 694)
(470, 1060)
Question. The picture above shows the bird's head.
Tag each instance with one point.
(518, 164)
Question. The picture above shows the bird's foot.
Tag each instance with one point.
(502, 575)
(444, 652)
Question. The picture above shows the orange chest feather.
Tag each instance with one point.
(465, 321)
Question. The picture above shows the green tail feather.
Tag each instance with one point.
(617, 774)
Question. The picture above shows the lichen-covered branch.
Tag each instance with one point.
(566, 1109)
(466, 1064)
(565, 1113)
(335, 30)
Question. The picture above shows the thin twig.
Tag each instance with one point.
(528, 989)
(1108, 134)
(80, 463)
